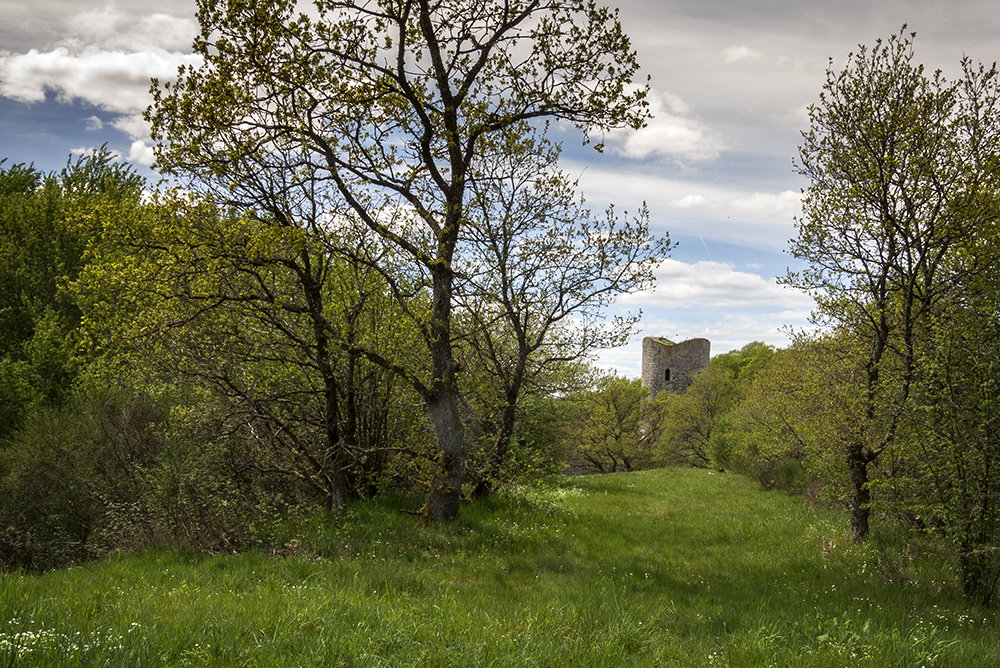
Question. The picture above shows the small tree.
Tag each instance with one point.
(891, 156)
(953, 465)
(538, 273)
(693, 422)
(41, 251)
(957, 486)
(690, 418)
(620, 426)
(800, 411)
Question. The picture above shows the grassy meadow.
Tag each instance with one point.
(671, 567)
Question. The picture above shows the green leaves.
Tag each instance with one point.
(620, 427)
(380, 119)
(895, 156)
(45, 227)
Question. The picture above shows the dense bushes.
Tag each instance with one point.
(115, 471)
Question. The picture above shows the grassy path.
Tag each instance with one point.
(663, 568)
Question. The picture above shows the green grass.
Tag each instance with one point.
(663, 568)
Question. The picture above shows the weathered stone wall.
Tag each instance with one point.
(683, 360)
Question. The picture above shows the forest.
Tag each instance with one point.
(366, 275)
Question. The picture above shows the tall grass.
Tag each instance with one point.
(663, 568)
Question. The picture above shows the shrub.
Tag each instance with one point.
(118, 471)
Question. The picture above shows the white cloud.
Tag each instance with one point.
(714, 209)
(671, 133)
(708, 285)
(735, 54)
(730, 332)
(141, 153)
(133, 125)
(625, 361)
(113, 30)
(107, 59)
(83, 150)
(112, 80)
(690, 201)
(785, 204)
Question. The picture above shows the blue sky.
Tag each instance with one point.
(731, 83)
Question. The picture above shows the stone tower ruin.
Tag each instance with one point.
(671, 366)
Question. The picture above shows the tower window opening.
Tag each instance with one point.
(666, 375)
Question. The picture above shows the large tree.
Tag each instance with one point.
(889, 156)
(801, 410)
(377, 115)
(956, 470)
(953, 488)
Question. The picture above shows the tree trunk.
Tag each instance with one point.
(442, 404)
(337, 497)
(490, 477)
(333, 462)
(446, 486)
(980, 573)
(857, 463)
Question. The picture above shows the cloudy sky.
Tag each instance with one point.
(731, 83)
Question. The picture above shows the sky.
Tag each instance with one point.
(730, 86)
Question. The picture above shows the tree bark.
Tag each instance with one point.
(337, 494)
(445, 492)
(857, 464)
(333, 463)
(446, 486)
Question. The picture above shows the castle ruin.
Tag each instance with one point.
(671, 366)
